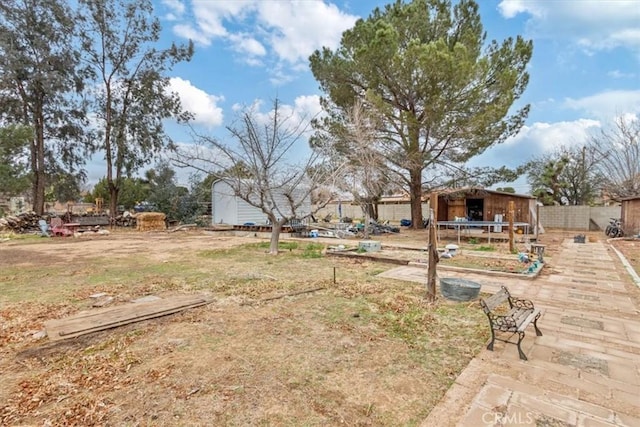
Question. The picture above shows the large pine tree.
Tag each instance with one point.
(442, 92)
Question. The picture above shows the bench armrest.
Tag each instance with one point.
(503, 323)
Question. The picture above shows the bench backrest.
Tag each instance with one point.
(495, 300)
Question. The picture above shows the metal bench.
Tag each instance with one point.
(513, 318)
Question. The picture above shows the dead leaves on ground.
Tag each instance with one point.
(84, 377)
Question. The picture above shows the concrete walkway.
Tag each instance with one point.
(584, 371)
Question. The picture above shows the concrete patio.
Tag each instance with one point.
(584, 370)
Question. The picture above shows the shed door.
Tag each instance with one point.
(456, 209)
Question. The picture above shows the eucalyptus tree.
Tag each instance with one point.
(132, 192)
(131, 93)
(14, 153)
(443, 92)
(40, 83)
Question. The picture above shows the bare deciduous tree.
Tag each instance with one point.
(619, 147)
(259, 165)
(363, 169)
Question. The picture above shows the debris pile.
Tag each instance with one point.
(125, 219)
(22, 223)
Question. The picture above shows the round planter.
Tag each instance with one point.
(459, 289)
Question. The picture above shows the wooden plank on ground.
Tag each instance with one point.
(112, 317)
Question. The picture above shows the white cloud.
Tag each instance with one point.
(176, 6)
(548, 136)
(299, 27)
(203, 106)
(248, 46)
(188, 32)
(606, 105)
(279, 76)
(534, 141)
(297, 115)
(255, 29)
(210, 16)
(617, 74)
(308, 104)
(592, 24)
(511, 8)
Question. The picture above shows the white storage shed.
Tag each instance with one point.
(227, 208)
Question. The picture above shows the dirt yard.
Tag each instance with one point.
(359, 350)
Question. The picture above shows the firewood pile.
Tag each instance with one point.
(22, 223)
(125, 220)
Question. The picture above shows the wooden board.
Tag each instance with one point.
(97, 320)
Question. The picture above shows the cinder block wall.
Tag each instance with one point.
(578, 217)
(390, 212)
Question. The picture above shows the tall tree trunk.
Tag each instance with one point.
(114, 190)
(38, 169)
(415, 188)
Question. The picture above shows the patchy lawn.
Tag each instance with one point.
(360, 351)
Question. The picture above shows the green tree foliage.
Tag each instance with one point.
(166, 196)
(458, 177)
(64, 187)
(443, 92)
(40, 77)
(14, 154)
(567, 176)
(132, 191)
(201, 190)
(132, 96)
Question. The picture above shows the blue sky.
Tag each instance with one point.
(585, 68)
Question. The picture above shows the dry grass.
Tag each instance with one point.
(361, 351)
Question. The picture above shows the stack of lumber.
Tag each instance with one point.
(151, 221)
(100, 319)
(22, 223)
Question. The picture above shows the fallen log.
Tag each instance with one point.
(182, 227)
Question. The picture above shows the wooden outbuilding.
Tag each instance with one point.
(479, 204)
(631, 215)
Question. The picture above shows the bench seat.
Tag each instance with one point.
(519, 314)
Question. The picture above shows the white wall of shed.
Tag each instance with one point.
(227, 208)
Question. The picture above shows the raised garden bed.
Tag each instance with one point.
(489, 263)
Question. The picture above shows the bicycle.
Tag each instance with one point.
(614, 229)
